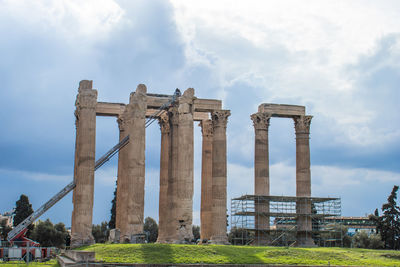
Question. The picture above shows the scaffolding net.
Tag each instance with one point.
(285, 220)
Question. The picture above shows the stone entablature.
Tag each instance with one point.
(176, 165)
(282, 110)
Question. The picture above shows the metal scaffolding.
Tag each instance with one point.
(283, 220)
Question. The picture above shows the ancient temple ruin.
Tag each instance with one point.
(176, 165)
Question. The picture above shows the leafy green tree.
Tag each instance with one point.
(49, 235)
(240, 236)
(338, 236)
(4, 229)
(22, 210)
(362, 240)
(377, 220)
(196, 232)
(151, 228)
(390, 221)
(100, 232)
(111, 223)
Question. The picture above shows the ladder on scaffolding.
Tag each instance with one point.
(21, 228)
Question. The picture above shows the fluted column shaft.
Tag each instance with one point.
(163, 211)
(133, 174)
(219, 173)
(303, 180)
(261, 175)
(81, 227)
(206, 219)
(180, 184)
(122, 193)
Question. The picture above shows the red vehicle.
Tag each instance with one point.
(23, 248)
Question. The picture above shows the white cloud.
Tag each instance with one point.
(297, 53)
(72, 19)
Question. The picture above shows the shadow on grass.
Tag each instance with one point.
(157, 253)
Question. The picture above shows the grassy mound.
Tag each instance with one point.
(214, 254)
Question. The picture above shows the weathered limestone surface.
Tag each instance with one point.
(281, 110)
(180, 181)
(206, 219)
(163, 210)
(133, 174)
(303, 180)
(219, 183)
(261, 174)
(201, 107)
(122, 193)
(81, 226)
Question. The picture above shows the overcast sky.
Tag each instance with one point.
(340, 59)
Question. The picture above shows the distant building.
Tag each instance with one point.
(8, 217)
(354, 224)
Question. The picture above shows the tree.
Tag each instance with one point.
(377, 221)
(362, 240)
(111, 223)
(390, 221)
(49, 235)
(240, 236)
(151, 228)
(4, 229)
(100, 232)
(22, 210)
(196, 232)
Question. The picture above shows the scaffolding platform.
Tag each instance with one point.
(280, 220)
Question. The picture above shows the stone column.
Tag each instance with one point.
(81, 226)
(219, 122)
(163, 210)
(206, 219)
(133, 173)
(180, 184)
(120, 214)
(303, 180)
(261, 176)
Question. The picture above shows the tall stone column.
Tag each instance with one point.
(261, 176)
(303, 180)
(122, 193)
(81, 226)
(219, 197)
(133, 173)
(163, 210)
(180, 181)
(206, 219)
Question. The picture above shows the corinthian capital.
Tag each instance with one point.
(87, 97)
(220, 118)
(121, 123)
(261, 120)
(302, 124)
(163, 121)
(206, 128)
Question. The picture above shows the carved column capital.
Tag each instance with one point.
(86, 99)
(220, 118)
(163, 121)
(302, 124)
(261, 120)
(206, 128)
(121, 123)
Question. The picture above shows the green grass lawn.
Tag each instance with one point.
(50, 263)
(214, 254)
